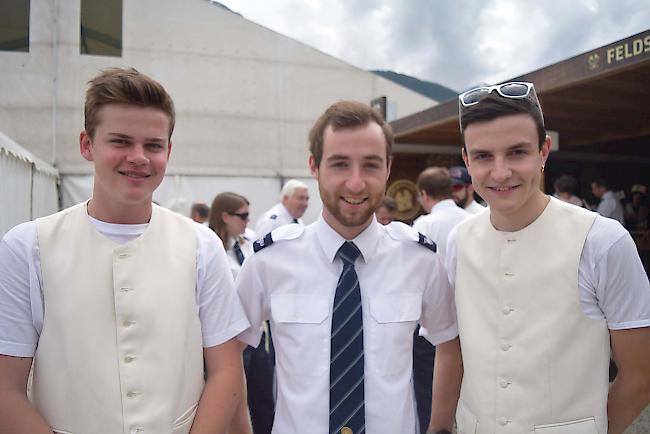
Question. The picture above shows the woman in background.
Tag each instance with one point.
(228, 218)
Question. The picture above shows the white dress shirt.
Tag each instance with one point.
(277, 216)
(21, 299)
(474, 207)
(611, 207)
(612, 283)
(440, 221)
(292, 283)
(246, 249)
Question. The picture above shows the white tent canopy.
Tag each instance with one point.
(29, 185)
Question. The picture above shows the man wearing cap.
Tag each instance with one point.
(462, 190)
(545, 291)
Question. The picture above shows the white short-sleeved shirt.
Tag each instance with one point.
(474, 208)
(437, 225)
(612, 283)
(21, 297)
(277, 216)
(292, 283)
(611, 207)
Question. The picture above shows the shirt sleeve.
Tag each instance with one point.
(438, 310)
(220, 311)
(617, 277)
(18, 335)
(253, 296)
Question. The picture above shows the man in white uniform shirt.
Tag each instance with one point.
(344, 296)
(434, 189)
(544, 290)
(462, 190)
(294, 199)
(117, 301)
(609, 205)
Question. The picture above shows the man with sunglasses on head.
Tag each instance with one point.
(544, 290)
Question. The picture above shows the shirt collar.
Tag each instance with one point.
(330, 240)
(447, 203)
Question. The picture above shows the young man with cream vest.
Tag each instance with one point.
(542, 289)
(117, 301)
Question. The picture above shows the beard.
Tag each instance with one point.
(331, 201)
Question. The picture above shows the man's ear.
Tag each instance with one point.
(545, 149)
(169, 150)
(465, 159)
(390, 165)
(313, 167)
(85, 145)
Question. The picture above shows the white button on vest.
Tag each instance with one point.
(123, 255)
(505, 347)
(129, 359)
(128, 323)
(132, 394)
(506, 310)
(136, 430)
(502, 421)
(503, 383)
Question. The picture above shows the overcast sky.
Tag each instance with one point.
(457, 43)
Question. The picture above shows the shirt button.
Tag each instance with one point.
(502, 421)
(505, 347)
(508, 274)
(126, 289)
(503, 383)
(129, 359)
(132, 394)
(123, 255)
(506, 310)
(128, 323)
(136, 430)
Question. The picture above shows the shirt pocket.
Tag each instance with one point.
(300, 332)
(393, 320)
(580, 426)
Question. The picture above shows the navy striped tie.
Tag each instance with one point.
(238, 253)
(347, 412)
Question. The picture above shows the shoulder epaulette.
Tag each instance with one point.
(402, 232)
(283, 233)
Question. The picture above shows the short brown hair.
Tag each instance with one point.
(435, 182)
(227, 202)
(346, 114)
(125, 86)
(493, 106)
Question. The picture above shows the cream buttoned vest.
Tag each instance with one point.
(121, 346)
(534, 362)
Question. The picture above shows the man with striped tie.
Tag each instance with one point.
(345, 294)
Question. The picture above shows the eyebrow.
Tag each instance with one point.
(126, 136)
(347, 157)
(514, 147)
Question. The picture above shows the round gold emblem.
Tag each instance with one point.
(405, 193)
(346, 430)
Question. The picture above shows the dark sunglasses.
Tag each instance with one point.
(514, 90)
(241, 215)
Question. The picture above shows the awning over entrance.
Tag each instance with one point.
(601, 96)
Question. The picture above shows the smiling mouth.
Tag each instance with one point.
(353, 201)
(134, 175)
(504, 188)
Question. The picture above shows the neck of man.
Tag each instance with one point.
(521, 217)
(118, 213)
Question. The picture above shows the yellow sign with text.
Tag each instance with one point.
(628, 50)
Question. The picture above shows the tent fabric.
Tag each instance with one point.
(29, 185)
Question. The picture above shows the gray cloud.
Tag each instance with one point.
(454, 43)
